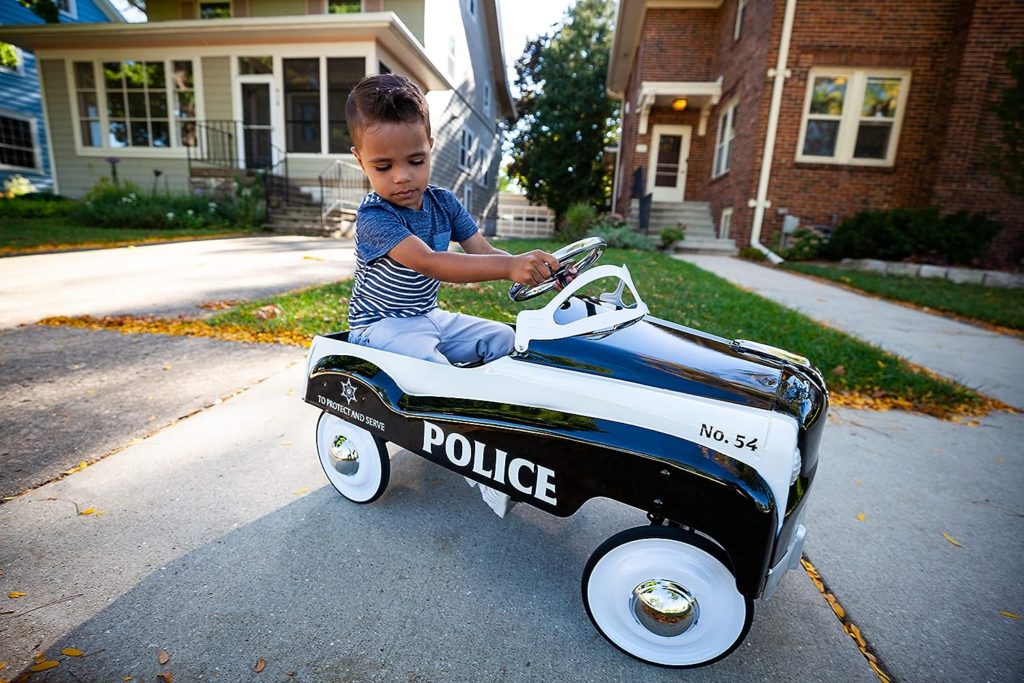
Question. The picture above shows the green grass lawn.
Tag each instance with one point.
(994, 305)
(676, 291)
(27, 234)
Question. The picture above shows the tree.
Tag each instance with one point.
(46, 10)
(567, 118)
(1008, 162)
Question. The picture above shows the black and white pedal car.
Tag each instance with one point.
(715, 440)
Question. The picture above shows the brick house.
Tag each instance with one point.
(854, 104)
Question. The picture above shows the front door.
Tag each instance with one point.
(670, 149)
(257, 130)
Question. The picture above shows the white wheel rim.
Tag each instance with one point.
(362, 485)
(723, 610)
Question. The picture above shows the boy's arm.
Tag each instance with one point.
(480, 264)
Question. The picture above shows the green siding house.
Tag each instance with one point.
(262, 84)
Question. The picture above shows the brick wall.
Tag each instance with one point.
(954, 50)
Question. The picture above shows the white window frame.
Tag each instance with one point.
(19, 70)
(850, 118)
(741, 10)
(327, 7)
(487, 99)
(467, 149)
(467, 196)
(175, 148)
(723, 141)
(34, 134)
(725, 223)
(71, 12)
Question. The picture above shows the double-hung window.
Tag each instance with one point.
(214, 10)
(17, 142)
(853, 117)
(135, 104)
(723, 141)
(467, 147)
(305, 91)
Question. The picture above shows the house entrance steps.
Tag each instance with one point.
(700, 236)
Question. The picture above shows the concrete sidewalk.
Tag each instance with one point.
(988, 362)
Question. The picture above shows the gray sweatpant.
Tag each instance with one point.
(438, 336)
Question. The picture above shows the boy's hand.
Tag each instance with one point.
(532, 268)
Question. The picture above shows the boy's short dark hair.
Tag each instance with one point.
(384, 98)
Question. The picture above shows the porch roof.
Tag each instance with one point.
(703, 95)
(383, 27)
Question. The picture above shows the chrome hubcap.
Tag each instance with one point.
(664, 607)
(344, 456)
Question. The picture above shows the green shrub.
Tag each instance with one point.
(620, 236)
(579, 219)
(670, 236)
(36, 205)
(752, 254)
(806, 245)
(125, 205)
(923, 234)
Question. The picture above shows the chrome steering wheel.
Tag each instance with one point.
(573, 259)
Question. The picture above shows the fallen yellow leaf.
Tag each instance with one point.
(72, 652)
(13, 595)
(163, 657)
(261, 664)
(77, 468)
(127, 678)
(87, 511)
(150, 418)
(1010, 615)
(952, 540)
(313, 258)
(860, 516)
(3, 665)
(44, 665)
(39, 656)
(301, 491)
(168, 366)
(167, 676)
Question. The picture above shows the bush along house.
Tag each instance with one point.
(743, 119)
(24, 141)
(209, 92)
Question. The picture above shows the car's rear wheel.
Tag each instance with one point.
(665, 596)
(355, 461)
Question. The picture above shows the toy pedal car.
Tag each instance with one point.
(715, 440)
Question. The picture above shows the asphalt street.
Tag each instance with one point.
(214, 536)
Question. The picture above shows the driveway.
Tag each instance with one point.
(164, 279)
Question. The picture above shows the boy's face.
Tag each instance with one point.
(396, 159)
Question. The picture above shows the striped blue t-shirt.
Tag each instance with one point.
(383, 287)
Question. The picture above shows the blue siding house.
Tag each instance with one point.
(24, 143)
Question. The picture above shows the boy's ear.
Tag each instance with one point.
(355, 153)
(430, 142)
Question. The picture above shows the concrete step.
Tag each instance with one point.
(692, 245)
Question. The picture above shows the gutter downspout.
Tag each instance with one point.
(779, 73)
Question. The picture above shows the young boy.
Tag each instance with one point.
(403, 229)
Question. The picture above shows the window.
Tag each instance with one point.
(255, 66)
(302, 105)
(852, 117)
(467, 197)
(344, 6)
(723, 141)
(342, 76)
(135, 104)
(67, 7)
(487, 99)
(725, 224)
(471, 6)
(214, 10)
(17, 142)
(741, 9)
(11, 60)
(467, 145)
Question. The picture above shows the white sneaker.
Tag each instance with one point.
(496, 500)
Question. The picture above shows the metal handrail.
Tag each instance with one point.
(342, 188)
(215, 144)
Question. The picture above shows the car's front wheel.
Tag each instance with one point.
(355, 461)
(665, 596)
